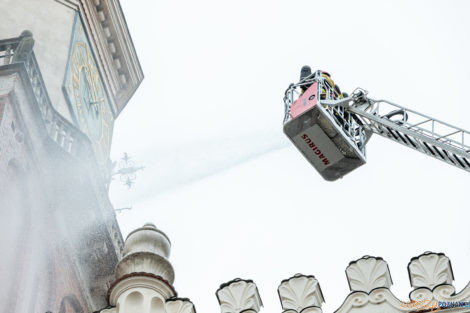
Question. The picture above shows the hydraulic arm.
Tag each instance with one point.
(339, 126)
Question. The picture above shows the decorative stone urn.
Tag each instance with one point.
(144, 276)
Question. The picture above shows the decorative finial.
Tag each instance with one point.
(150, 225)
(144, 275)
(179, 305)
(239, 295)
(146, 250)
(300, 292)
(368, 273)
(430, 270)
(25, 47)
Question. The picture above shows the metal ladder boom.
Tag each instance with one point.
(415, 130)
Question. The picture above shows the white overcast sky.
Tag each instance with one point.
(224, 183)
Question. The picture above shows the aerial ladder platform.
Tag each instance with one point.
(331, 129)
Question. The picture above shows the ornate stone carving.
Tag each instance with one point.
(146, 251)
(25, 47)
(430, 270)
(421, 294)
(179, 305)
(441, 293)
(238, 296)
(369, 280)
(300, 292)
(144, 269)
(379, 300)
(444, 292)
(368, 273)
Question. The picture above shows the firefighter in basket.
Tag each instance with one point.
(329, 87)
(306, 72)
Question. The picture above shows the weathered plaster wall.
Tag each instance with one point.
(51, 24)
(57, 251)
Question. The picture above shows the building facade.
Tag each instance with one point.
(67, 70)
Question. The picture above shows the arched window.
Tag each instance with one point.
(156, 305)
(70, 304)
(134, 302)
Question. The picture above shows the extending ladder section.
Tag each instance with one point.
(412, 129)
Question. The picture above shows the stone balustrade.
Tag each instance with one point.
(69, 138)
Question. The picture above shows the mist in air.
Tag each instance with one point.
(226, 185)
